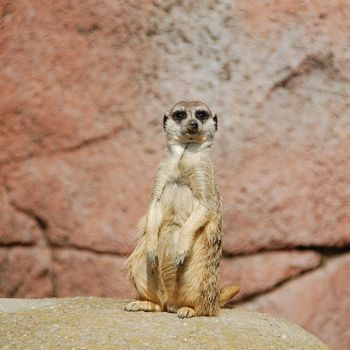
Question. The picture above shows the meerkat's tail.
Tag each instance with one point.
(227, 293)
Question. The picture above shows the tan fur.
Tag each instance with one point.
(175, 264)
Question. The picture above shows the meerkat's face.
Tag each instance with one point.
(190, 121)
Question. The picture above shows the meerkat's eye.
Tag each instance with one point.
(202, 115)
(179, 115)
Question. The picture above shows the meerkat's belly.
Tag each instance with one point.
(177, 204)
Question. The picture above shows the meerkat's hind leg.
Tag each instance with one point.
(186, 312)
(142, 306)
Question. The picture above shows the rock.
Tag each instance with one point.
(86, 273)
(91, 198)
(25, 272)
(261, 272)
(102, 324)
(286, 199)
(319, 301)
(66, 80)
(88, 105)
(16, 227)
(265, 124)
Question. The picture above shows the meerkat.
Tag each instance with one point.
(175, 265)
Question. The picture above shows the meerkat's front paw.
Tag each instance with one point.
(153, 259)
(185, 312)
(180, 259)
(139, 305)
(133, 306)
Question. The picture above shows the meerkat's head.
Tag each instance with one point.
(190, 122)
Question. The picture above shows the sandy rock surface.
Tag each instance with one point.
(85, 323)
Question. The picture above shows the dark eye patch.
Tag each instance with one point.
(202, 115)
(179, 115)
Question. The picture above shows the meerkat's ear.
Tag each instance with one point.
(164, 121)
(215, 118)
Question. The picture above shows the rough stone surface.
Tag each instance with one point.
(84, 86)
(286, 199)
(85, 273)
(102, 324)
(89, 198)
(261, 272)
(24, 272)
(16, 227)
(63, 73)
(320, 302)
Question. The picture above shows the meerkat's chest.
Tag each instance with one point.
(178, 200)
(182, 173)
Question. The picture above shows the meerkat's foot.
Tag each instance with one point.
(180, 259)
(142, 306)
(186, 312)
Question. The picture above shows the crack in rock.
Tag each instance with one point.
(308, 64)
(73, 148)
(43, 226)
(324, 250)
(42, 223)
(278, 285)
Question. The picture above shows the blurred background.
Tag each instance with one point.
(83, 88)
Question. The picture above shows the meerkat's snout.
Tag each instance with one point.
(192, 126)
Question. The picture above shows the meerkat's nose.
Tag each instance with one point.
(193, 124)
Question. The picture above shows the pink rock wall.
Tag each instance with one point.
(83, 88)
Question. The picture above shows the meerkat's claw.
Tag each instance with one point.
(185, 312)
(153, 260)
(180, 259)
